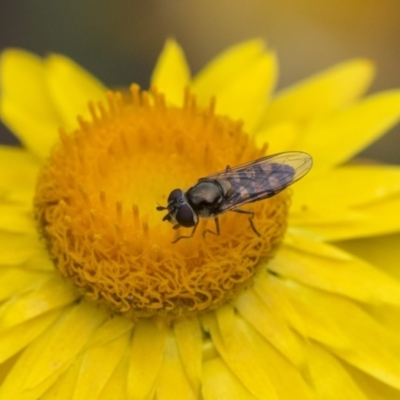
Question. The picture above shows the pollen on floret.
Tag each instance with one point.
(96, 202)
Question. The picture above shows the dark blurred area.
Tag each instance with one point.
(119, 41)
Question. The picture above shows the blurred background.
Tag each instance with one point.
(119, 41)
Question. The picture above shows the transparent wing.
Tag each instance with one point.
(262, 178)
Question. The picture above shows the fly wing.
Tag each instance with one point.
(262, 178)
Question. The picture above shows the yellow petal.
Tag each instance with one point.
(39, 261)
(273, 329)
(242, 78)
(116, 386)
(111, 330)
(172, 382)
(15, 249)
(63, 388)
(335, 271)
(25, 106)
(17, 218)
(171, 74)
(246, 97)
(53, 293)
(279, 137)
(350, 201)
(322, 94)
(278, 304)
(51, 354)
(347, 186)
(219, 383)
(224, 68)
(71, 88)
(319, 249)
(339, 223)
(148, 346)
(308, 322)
(15, 339)
(226, 317)
(373, 388)
(335, 140)
(14, 281)
(370, 347)
(189, 341)
(382, 251)
(98, 364)
(245, 353)
(18, 173)
(242, 362)
(388, 316)
(330, 377)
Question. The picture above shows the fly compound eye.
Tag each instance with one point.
(175, 195)
(185, 216)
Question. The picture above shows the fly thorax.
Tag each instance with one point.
(205, 197)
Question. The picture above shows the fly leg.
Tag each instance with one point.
(216, 228)
(184, 237)
(251, 213)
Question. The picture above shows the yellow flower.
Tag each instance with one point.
(97, 303)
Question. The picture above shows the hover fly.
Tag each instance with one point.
(227, 190)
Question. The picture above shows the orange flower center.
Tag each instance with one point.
(96, 205)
